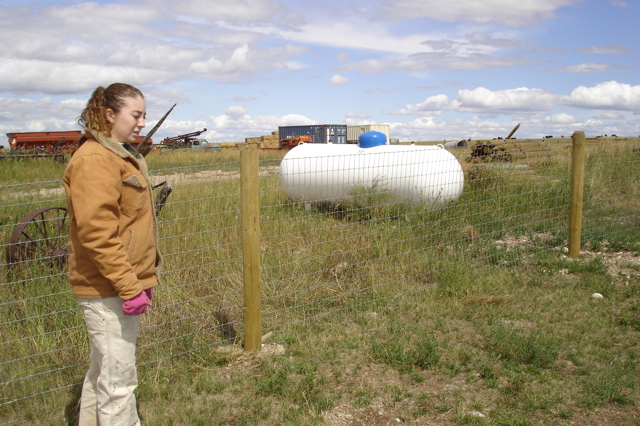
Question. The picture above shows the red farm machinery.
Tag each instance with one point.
(44, 144)
(293, 141)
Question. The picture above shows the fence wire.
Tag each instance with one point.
(335, 235)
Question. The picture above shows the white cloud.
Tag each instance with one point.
(338, 80)
(616, 49)
(245, 62)
(507, 12)
(296, 66)
(428, 129)
(352, 34)
(237, 61)
(353, 118)
(173, 128)
(236, 112)
(594, 125)
(36, 76)
(485, 101)
(620, 3)
(295, 119)
(609, 95)
(22, 115)
(424, 128)
(61, 21)
(610, 115)
(589, 67)
(195, 11)
(562, 118)
(432, 61)
(56, 49)
(237, 123)
(432, 106)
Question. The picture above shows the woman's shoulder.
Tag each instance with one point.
(92, 147)
(93, 154)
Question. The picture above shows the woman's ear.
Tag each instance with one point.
(109, 115)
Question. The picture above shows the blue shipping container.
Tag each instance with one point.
(319, 133)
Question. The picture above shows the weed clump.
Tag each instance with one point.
(396, 352)
(532, 348)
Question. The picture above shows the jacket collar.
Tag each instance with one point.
(115, 147)
(118, 149)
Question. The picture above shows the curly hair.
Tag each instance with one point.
(94, 117)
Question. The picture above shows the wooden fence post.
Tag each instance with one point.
(249, 205)
(577, 193)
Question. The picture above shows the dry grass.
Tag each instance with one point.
(468, 315)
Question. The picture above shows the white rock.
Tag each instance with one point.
(597, 296)
(273, 349)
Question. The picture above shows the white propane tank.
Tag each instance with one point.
(334, 173)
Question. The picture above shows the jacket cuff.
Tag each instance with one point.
(129, 287)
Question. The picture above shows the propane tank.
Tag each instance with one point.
(336, 173)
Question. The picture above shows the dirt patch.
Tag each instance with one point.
(622, 265)
(210, 176)
(378, 416)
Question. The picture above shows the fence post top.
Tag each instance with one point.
(249, 145)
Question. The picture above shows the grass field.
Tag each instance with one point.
(382, 314)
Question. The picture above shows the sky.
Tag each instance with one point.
(431, 69)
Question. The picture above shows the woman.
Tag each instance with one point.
(113, 256)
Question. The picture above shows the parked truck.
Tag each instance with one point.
(187, 140)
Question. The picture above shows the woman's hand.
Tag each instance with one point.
(137, 305)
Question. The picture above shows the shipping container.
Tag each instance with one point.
(354, 131)
(319, 133)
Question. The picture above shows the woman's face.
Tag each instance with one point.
(127, 123)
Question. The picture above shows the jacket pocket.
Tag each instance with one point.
(135, 195)
(133, 247)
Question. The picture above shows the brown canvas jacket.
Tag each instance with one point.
(114, 252)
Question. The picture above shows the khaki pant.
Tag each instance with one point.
(107, 392)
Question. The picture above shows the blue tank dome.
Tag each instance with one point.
(371, 139)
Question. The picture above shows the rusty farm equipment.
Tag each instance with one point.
(497, 151)
(33, 154)
(187, 140)
(42, 234)
(43, 141)
(30, 145)
(293, 141)
(26, 145)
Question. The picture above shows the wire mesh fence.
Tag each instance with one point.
(335, 235)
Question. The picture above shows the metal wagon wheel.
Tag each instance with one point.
(42, 234)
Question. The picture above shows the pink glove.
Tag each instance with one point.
(137, 305)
